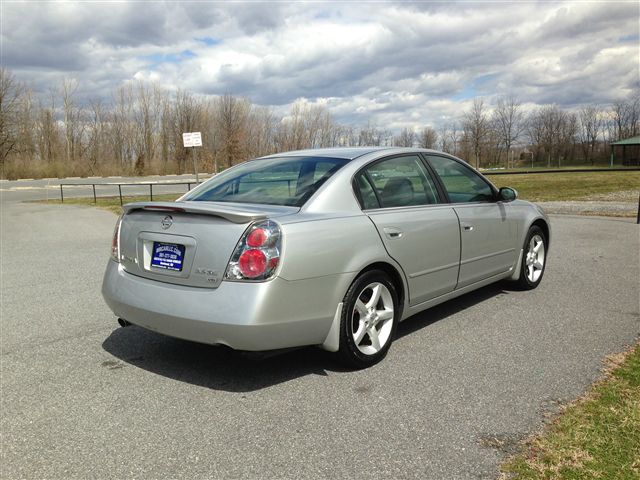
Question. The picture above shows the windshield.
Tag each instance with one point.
(274, 181)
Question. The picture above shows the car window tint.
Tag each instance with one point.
(274, 181)
(367, 195)
(461, 182)
(402, 181)
(322, 169)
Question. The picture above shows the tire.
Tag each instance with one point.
(369, 320)
(534, 259)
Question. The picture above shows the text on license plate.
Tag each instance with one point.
(168, 256)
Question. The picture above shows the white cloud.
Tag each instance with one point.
(394, 65)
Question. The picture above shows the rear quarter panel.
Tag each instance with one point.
(318, 246)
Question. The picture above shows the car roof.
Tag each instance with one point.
(348, 153)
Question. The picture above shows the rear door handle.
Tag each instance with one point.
(467, 227)
(392, 232)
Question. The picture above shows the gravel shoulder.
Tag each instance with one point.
(591, 207)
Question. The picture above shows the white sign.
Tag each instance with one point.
(192, 139)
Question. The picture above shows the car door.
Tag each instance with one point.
(401, 198)
(488, 229)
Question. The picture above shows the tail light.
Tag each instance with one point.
(257, 254)
(115, 241)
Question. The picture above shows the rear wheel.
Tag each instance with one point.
(369, 319)
(534, 259)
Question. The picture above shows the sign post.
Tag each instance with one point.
(193, 139)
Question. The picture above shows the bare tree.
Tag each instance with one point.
(96, 135)
(73, 125)
(165, 129)
(590, 126)
(231, 117)
(626, 115)
(444, 138)
(122, 127)
(147, 118)
(140, 130)
(428, 137)
(476, 126)
(508, 122)
(535, 132)
(567, 138)
(11, 92)
(49, 142)
(454, 138)
(186, 117)
(372, 136)
(262, 126)
(406, 138)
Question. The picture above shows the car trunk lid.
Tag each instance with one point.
(186, 243)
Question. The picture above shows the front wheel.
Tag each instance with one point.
(369, 319)
(534, 259)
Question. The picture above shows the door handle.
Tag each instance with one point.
(467, 227)
(392, 232)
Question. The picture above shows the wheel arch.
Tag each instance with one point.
(397, 279)
(544, 226)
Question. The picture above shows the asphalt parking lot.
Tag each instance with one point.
(83, 398)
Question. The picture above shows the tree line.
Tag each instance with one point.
(138, 130)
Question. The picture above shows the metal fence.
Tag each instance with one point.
(120, 185)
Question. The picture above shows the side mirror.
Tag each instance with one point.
(507, 194)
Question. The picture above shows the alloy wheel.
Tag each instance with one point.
(372, 318)
(535, 258)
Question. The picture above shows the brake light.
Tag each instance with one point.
(115, 241)
(257, 254)
(257, 237)
(252, 263)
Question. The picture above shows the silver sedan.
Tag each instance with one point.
(329, 247)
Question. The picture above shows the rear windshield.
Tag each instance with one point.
(274, 181)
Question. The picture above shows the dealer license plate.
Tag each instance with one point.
(168, 256)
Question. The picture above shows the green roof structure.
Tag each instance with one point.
(630, 151)
(628, 141)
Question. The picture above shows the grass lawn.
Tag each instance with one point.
(596, 437)
(542, 187)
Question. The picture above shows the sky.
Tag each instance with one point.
(390, 64)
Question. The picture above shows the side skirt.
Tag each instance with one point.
(412, 310)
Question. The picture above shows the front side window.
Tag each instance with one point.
(461, 182)
(273, 181)
(396, 182)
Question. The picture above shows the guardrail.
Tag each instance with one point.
(120, 185)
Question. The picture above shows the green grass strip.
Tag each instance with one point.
(596, 437)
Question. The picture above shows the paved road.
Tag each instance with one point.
(82, 398)
(49, 188)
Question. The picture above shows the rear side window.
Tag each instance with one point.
(396, 182)
(367, 195)
(272, 181)
(461, 182)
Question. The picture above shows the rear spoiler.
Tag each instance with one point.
(235, 215)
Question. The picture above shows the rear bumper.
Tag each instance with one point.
(244, 316)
